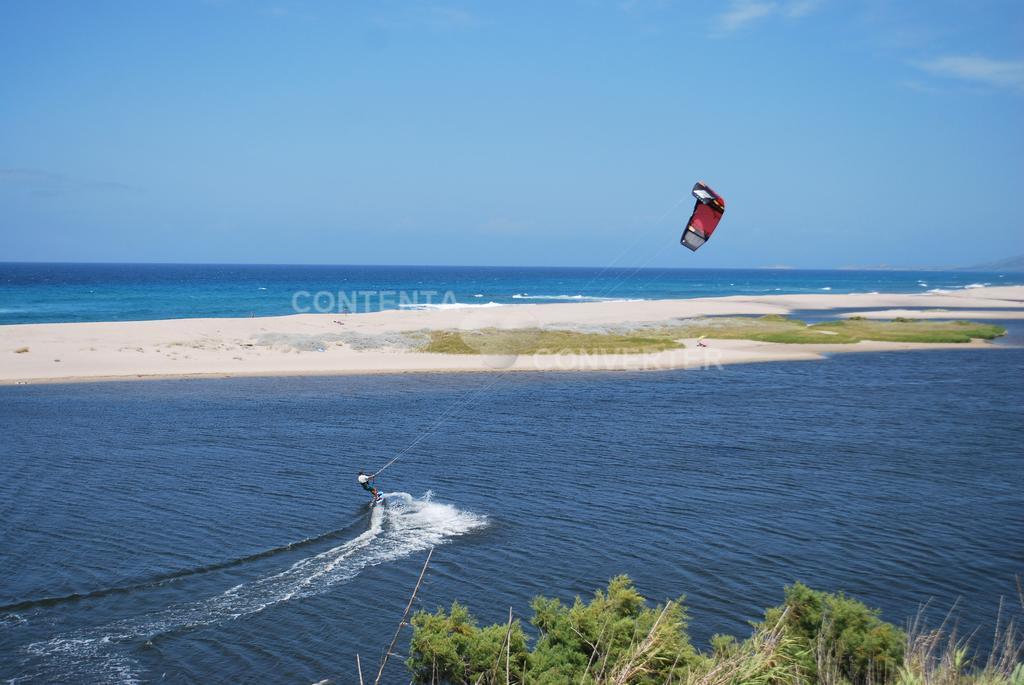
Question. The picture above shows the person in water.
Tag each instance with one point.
(367, 482)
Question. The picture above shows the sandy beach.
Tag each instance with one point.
(325, 344)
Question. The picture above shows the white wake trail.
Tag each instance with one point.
(403, 526)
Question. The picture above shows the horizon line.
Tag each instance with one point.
(512, 266)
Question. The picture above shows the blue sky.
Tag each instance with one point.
(841, 132)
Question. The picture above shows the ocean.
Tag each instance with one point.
(45, 293)
(204, 531)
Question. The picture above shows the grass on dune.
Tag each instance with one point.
(541, 341)
(779, 329)
(910, 330)
(774, 329)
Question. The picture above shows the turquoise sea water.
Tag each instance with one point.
(34, 293)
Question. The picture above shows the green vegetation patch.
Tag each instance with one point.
(860, 646)
(618, 638)
(773, 329)
(913, 330)
(542, 341)
(614, 638)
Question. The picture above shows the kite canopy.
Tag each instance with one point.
(706, 215)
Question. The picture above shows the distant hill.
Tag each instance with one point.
(1012, 264)
(1008, 264)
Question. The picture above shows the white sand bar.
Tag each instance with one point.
(325, 344)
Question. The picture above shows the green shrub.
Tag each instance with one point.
(862, 647)
(596, 639)
(448, 647)
(614, 636)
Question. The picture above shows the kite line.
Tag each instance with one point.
(472, 395)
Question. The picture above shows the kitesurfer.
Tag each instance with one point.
(366, 480)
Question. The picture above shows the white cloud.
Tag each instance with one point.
(989, 72)
(276, 11)
(435, 17)
(800, 8)
(452, 17)
(743, 13)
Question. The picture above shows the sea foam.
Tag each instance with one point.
(404, 526)
(572, 298)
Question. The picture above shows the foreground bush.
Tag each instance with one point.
(615, 637)
(618, 639)
(840, 634)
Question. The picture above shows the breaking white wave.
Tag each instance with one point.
(404, 526)
(969, 286)
(573, 298)
(827, 287)
(449, 305)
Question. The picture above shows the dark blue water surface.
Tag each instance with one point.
(37, 293)
(211, 530)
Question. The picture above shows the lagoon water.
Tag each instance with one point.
(197, 531)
